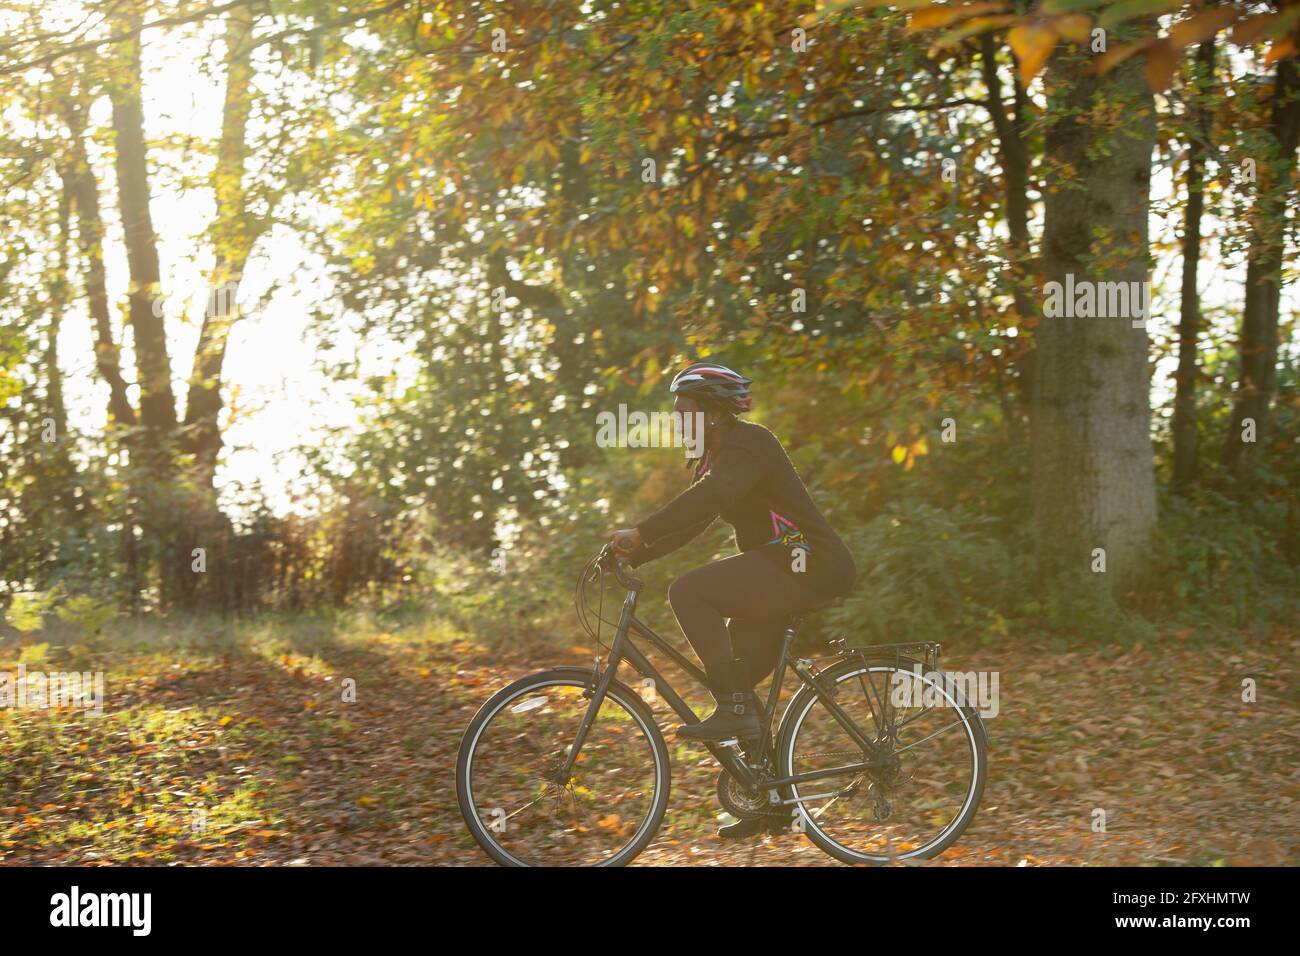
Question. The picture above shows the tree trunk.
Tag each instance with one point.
(153, 450)
(1013, 154)
(1093, 472)
(233, 234)
(1189, 320)
(80, 181)
(157, 401)
(62, 473)
(83, 189)
(1257, 375)
(58, 302)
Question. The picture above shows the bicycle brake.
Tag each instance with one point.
(596, 672)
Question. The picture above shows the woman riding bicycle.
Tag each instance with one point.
(734, 611)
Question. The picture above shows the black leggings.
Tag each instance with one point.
(756, 594)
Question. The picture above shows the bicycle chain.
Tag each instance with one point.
(788, 813)
(842, 753)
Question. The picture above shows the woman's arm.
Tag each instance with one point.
(735, 471)
(666, 545)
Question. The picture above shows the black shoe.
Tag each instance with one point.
(754, 826)
(736, 716)
(733, 721)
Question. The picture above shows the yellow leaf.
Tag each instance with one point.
(1117, 55)
(1162, 60)
(1279, 50)
(1074, 26)
(1255, 28)
(1202, 26)
(1033, 44)
(932, 17)
(899, 454)
(972, 27)
(224, 721)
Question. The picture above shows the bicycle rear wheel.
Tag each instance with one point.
(926, 793)
(506, 784)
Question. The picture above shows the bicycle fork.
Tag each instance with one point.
(622, 649)
(603, 679)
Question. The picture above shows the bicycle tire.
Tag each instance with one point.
(562, 676)
(802, 703)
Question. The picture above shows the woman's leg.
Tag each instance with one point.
(749, 585)
(744, 586)
(757, 641)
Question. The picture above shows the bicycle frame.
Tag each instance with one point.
(727, 754)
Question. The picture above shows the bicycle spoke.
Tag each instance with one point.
(590, 818)
(890, 812)
(941, 730)
(865, 683)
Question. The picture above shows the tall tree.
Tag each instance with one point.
(72, 102)
(84, 191)
(1258, 340)
(1189, 321)
(1011, 128)
(153, 463)
(153, 365)
(233, 234)
(1093, 469)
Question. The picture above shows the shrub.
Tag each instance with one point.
(927, 573)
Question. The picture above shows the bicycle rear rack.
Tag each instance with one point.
(927, 652)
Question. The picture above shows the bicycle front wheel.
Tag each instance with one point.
(930, 762)
(507, 774)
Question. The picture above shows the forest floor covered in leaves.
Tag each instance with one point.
(228, 744)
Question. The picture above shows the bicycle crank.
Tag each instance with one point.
(741, 801)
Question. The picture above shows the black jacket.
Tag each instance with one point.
(751, 483)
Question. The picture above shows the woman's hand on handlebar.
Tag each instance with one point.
(625, 541)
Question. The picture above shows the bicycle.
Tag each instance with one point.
(568, 766)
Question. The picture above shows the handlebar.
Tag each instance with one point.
(610, 560)
(606, 560)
